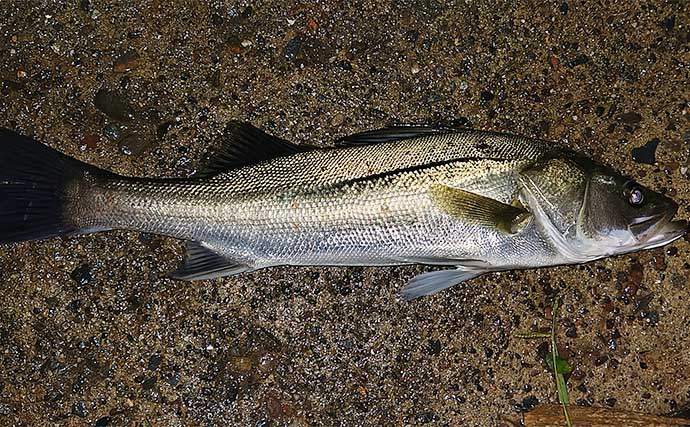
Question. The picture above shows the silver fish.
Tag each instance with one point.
(476, 201)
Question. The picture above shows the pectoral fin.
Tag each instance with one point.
(478, 209)
(436, 281)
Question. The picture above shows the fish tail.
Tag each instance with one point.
(40, 190)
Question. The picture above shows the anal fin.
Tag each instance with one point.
(436, 281)
(202, 263)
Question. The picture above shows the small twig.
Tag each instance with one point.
(558, 377)
(532, 335)
(560, 380)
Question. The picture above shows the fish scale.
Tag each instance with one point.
(354, 213)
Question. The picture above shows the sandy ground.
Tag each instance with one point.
(92, 333)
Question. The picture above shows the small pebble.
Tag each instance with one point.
(90, 141)
(669, 22)
(564, 8)
(529, 402)
(113, 105)
(79, 409)
(82, 275)
(630, 118)
(486, 95)
(126, 62)
(292, 48)
(163, 128)
(149, 383)
(112, 131)
(103, 422)
(134, 144)
(433, 347)
(154, 362)
(241, 364)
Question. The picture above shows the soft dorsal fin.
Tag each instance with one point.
(243, 144)
(393, 133)
(202, 263)
(479, 209)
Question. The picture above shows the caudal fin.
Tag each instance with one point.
(36, 187)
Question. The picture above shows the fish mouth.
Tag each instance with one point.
(657, 230)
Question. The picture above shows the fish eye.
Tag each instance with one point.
(635, 197)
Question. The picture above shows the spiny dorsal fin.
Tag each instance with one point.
(478, 209)
(243, 144)
(202, 263)
(393, 133)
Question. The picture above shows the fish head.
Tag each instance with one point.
(620, 215)
(591, 211)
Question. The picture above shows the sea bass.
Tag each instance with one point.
(474, 201)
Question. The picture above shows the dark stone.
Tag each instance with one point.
(103, 421)
(163, 128)
(85, 5)
(486, 95)
(154, 362)
(600, 360)
(599, 111)
(292, 48)
(113, 105)
(82, 275)
(580, 60)
(412, 36)
(669, 22)
(216, 19)
(149, 383)
(646, 153)
(433, 347)
(126, 61)
(610, 402)
(632, 118)
(79, 409)
(134, 144)
(345, 65)
(231, 393)
(564, 8)
(426, 417)
(112, 131)
(529, 402)
(53, 396)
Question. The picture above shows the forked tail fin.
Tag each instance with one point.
(37, 186)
